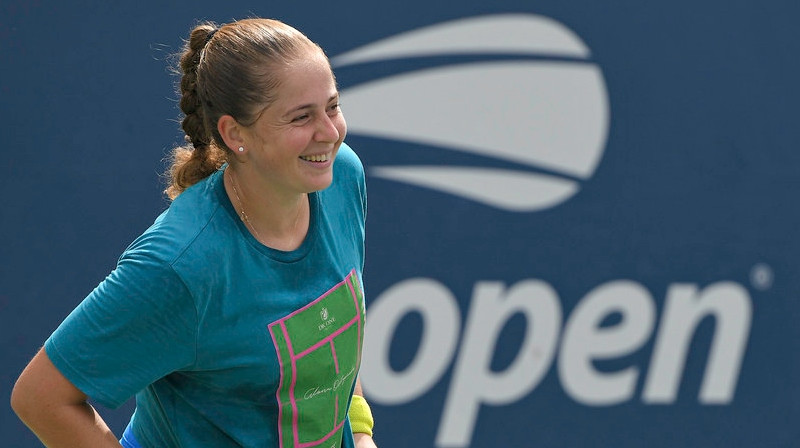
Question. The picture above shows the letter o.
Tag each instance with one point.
(441, 320)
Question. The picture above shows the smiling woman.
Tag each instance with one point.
(248, 284)
(288, 151)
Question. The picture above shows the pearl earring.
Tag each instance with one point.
(241, 149)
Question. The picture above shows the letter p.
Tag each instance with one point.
(473, 380)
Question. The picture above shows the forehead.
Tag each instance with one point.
(306, 79)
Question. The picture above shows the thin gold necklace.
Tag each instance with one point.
(246, 219)
(243, 214)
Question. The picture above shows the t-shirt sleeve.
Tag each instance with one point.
(359, 180)
(362, 190)
(137, 326)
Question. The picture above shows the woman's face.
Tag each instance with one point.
(294, 141)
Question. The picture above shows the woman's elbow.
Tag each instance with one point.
(23, 399)
(41, 389)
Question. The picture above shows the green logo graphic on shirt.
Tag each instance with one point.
(319, 351)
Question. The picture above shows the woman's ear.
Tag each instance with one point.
(231, 132)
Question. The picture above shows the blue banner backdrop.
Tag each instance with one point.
(582, 224)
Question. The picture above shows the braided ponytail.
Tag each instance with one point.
(200, 156)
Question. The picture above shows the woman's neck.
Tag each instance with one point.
(277, 221)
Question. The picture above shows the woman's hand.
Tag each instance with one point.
(364, 441)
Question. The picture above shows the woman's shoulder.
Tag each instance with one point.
(348, 160)
(349, 187)
(182, 224)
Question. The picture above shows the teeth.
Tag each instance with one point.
(317, 157)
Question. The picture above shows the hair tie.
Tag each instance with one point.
(210, 35)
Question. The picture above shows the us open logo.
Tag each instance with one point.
(520, 89)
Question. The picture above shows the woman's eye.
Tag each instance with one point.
(300, 118)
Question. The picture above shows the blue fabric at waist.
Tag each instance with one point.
(128, 439)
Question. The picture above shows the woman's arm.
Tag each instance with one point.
(362, 440)
(57, 411)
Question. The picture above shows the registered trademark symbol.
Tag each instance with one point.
(761, 276)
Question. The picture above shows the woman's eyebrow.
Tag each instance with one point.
(310, 105)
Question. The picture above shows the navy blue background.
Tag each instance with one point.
(698, 183)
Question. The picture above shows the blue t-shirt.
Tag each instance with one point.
(224, 341)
